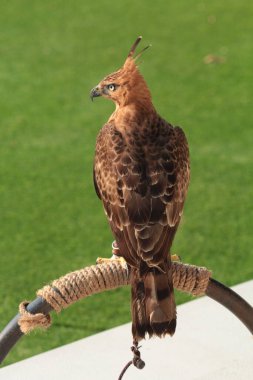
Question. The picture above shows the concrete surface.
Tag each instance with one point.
(210, 344)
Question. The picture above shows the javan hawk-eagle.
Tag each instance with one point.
(141, 174)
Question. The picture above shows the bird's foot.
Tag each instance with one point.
(102, 260)
(105, 260)
(175, 258)
(115, 256)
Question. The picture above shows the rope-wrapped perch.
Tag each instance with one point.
(112, 274)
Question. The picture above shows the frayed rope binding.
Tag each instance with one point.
(28, 321)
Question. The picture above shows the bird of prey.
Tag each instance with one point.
(141, 174)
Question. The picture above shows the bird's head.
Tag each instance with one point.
(125, 85)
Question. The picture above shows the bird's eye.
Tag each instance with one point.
(111, 87)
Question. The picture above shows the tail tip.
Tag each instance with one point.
(163, 328)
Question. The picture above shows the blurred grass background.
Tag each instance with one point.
(52, 54)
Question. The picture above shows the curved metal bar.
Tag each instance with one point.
(215, 290)
(232, 301)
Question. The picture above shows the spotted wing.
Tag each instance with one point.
(142, 180)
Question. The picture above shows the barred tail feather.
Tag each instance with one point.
(160, 304)
(140, 324)
(153, 305)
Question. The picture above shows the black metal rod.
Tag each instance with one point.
(215, 290)
(232, 301)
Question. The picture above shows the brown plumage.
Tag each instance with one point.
(141, 174)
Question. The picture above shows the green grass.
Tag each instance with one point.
(52, 54)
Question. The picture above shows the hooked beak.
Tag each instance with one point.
(95, 92)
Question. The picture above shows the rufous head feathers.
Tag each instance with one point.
(127, 84)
